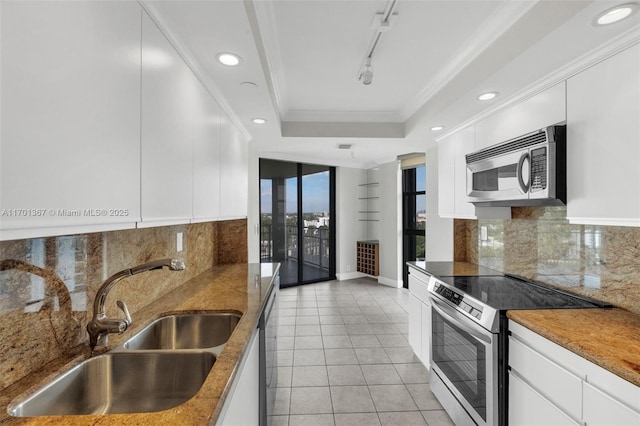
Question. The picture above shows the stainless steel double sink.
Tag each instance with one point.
(160, 367)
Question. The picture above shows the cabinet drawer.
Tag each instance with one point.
(529, 407)
(548, 378)
(601, 409)
(418, 286)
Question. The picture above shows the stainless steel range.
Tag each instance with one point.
(469, 339)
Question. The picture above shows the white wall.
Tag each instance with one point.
(348, 228)
(390, 226)
(439, 231)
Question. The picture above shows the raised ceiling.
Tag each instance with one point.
(304, 56)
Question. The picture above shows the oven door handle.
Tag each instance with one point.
(461, 321)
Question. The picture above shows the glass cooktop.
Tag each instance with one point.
(509, 292)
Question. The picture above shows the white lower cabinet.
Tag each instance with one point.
(529, 407)
(602, 409)
(550, 385)
(415, 326)
(419, 316)
(242, 406)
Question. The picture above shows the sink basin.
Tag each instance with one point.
(125, 382)
(185, 331)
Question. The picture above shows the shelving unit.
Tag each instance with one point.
(369, 210)
(368, 257)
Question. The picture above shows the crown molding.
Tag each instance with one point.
(267, 27)
(187, 56)
(487, 33)
(587, 60)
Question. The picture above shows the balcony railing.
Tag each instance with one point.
(316, 245)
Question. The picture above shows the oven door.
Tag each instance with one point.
(465, 358)
(505, 177)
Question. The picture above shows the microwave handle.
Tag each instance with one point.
(524, 187)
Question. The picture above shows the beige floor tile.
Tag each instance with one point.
(307, 376)
(357, 419)
(351, 399)
(405, 418)
(308, 357)
(310, 400)
(381, 374)
(311, 420)
(345, 375)
(392, 398)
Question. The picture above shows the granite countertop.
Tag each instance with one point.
(609, 338)
(448, 269)
(241, 288)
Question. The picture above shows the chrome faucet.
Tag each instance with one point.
(100, 326)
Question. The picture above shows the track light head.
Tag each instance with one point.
(367, 73)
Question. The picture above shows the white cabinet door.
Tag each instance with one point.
(415, 324)
(206, 158)
(234, 169)
(542, 110)
(446, 178)
(548, 378)
(463, 142)
(603, 148)
(602, 409)
(528, 407)
(169, 91)
(452, 179)
(425, 334)
(70, 117)
(242, 406)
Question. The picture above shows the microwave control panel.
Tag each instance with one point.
(539, 169)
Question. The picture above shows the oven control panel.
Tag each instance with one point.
(458, 299)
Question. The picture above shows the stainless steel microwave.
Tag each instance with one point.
(529, 170)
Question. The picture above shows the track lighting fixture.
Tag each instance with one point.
(382, 23)
(367, 73)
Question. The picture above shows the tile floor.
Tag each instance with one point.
(344, 358)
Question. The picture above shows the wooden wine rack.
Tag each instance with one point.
(368, 257)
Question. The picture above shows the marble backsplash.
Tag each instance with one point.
(47, 285)
(602, 262)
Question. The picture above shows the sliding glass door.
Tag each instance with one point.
(297, 220)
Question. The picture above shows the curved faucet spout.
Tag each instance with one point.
(100, 325)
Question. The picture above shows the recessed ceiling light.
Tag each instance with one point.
(436, 128)
(615, 14)
(229, 59)
(487, 96)
(259, 121)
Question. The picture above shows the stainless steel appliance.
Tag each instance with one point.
(470, 342)
(526, 171)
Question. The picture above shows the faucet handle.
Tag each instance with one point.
(127, 317)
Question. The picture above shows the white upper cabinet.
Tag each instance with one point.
(234, 159)
(168, 111)
(69, 152)
(206, 158)
(544, 109)
(603, 142)
(452, 179)
(452, 173)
